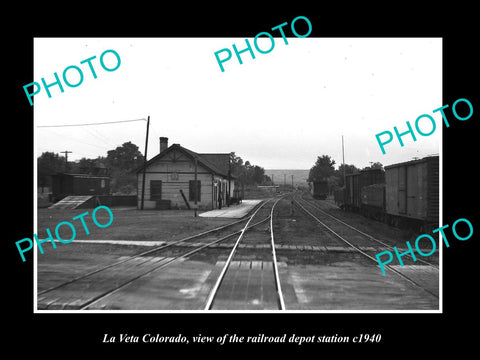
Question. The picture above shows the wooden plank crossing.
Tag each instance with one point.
(71, 202)
(349, 286)
(180, 286)
(248, 285)
(74, 295)
(425, 276)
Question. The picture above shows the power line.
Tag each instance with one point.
(154, 130)
(99, 136)
(75, 139)
(102, 123)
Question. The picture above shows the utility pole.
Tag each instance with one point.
(291, 201)
(343, 156)
(229, 182)
(145, 163)
(195, 189)
(66, 152)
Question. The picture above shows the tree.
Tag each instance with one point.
(126, 157)
(323, 168)
(90, 166)
(119, 165)
(258, 175)
(246, 172)
(48, 164)
(375, 165)
(236, 162)
(349, 169)
(121, 162)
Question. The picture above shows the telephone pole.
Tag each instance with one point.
(144, 164)
(343, 159)
(195, 189)
(66, 152)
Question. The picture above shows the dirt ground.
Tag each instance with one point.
(128, 224)
(297, 228)
(311, 278)
(303, 226)
(169, 225)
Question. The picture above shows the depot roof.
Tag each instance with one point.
(217, 163)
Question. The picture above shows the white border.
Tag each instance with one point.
(279, 312)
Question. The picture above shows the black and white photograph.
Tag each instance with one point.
(278, 184)
(268, 204)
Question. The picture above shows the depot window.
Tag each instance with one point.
(191, 190)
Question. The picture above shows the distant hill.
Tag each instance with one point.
(280, 175)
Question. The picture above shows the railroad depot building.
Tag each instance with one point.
(170, 180)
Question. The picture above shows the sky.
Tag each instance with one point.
(280, 110)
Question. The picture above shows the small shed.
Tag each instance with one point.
(64, 184)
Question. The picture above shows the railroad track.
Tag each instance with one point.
(365, 244)
(231, 290)
(331, 220)
(60, 296)
(85, 291)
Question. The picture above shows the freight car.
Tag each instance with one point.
(354, 184)
(373, 201)
(339, 197)
(412, 192)
(319, 189)
(405, 194)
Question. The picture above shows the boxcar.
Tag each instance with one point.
(355, 182)
(64, 184)
(339, 197)
(320, 189)
(412, 191)
(373, 201)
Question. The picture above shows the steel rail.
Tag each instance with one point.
(214, 290)
(363, 233)
(158, 248)
(275, 266)
(364, 253)
(163, 265)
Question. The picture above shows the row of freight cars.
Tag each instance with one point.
(404, 194)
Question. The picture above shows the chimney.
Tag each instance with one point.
(163, 143)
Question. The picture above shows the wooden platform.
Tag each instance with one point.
(74, 202)
(233, 211)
